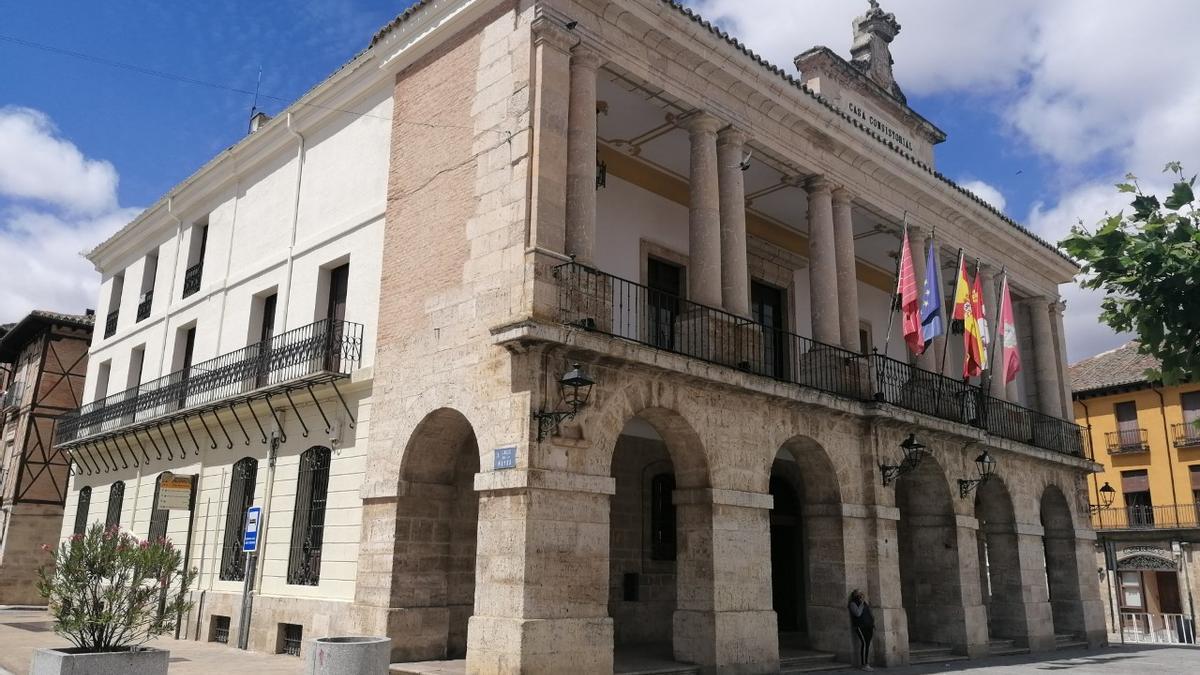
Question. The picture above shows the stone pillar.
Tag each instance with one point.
(1057, 308)
(1045, 361)
(877, 528)
(1034, 596)
(975, 619)
(581, 156)
(822, 267)
(735, 273)
(704, 212)
(724, 620)
(847, 269)
(542, 568)
(551, 94)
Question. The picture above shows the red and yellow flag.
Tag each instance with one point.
(974, 326)
(962, 294)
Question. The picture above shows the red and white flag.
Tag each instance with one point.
(1009, 358)
(910, 300)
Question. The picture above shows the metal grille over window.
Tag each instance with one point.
(293, 635)
(116, 496)
(191, 279)
(144, 305)
(308, 519)
(81, 510)
(241, 497)
(110, 323)
(158, 517)
(220, 629)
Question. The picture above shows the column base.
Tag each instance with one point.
(727, 642)
(721, 338)
(501, 646)
(890, 645)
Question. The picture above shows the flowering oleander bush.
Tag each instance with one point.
(109, 590)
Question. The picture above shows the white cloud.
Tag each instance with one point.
(986, 192)
(37, 164)
(55, 203)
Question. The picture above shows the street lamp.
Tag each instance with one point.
(914, 452)
(574, 389)
(1107, 495)
(986, 467)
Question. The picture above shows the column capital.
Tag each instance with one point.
(700, 123)
(731, 135)
(841, 196)
(547, 31)
(818, 184)
(583, 56)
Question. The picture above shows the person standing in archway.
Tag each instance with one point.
(862, 628)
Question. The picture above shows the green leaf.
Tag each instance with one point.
(1126, 187)
(1180, 196)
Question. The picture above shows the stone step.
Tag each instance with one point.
(813, 662)
(680, 669)
(932, 654)
(999, 647)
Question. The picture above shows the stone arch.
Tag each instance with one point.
(1062, 562)
(930, 575)
(808, 560)
(1000, 579)
(436, 523)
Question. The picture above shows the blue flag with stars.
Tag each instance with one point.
(931, 298)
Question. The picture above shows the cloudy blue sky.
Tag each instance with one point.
(1046, 103)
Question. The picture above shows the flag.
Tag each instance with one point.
(980, 307)
(974, 352)
(906, 289)
(962, 293)
(931, 298)
(1009, 358)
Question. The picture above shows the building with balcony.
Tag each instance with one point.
(45, 359)
(620, 185)
(1146, 500)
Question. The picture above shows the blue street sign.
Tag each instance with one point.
(505, 458)
(250, 538)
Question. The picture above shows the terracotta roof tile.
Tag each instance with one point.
(1123, 365)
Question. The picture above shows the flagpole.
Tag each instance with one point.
(967, 379)
(996, 328)
(953, 300)
(887, 339)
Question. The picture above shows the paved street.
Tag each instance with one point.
(1148, 659)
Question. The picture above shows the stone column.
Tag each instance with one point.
(542, 569)
(581, 156)
(876, 526)
(735, 273)
(704, 212)
(1035, 596)
(1060, 342)
(847, 269)
(1045, 360)
(551, 93)
(822, 263)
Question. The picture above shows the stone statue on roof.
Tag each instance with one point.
(870, 52)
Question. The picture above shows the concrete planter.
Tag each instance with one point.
(348, 656)
(75, 661)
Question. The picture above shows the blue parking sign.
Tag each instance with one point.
(250, 538)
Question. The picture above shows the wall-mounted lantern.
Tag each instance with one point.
(1107, 495)
(574, 389)
(986, 467)
(914, 452)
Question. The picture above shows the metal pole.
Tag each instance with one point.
(887, 338)
(247, 600)
(953, 301)
(187, 551)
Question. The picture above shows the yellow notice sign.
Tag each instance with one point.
(175, 492)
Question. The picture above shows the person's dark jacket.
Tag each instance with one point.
(860, 615)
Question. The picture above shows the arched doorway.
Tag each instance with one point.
(1000, 563)
(437, 517)
(1062, 565)
(808, 574)
(929, 559)
(657, 545)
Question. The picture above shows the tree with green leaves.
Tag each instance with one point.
(1147, 262)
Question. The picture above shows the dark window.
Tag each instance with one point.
(767, 307)
(185, 364)
(116, 496)
(308, 518)
(290, 639)
(158, 517)
(665, 282)
(241, 497)
(662, 517)
(1191, 407)
(1135, 485)
(195, 270)
(864, 340)
(266, 330)
(81, 510)
(339, 281)
(219, 631)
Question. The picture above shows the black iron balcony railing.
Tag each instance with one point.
(600, 302)
(1186, 435)
(143, 309)
(324, 347)
(1126, 441)
(1163, 516)
(110, 323)
(191, 278)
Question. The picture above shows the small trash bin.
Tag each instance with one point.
(366, 655)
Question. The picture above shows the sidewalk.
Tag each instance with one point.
(23, 630)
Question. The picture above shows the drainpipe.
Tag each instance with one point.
(287, 278)
(162, 352)
(266, 510)
(1087, 416)
(1162, 413)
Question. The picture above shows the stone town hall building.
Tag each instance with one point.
(355, 316)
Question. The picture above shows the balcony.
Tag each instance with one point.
(599, 302)
(191, 278)
(1167, 516)
(110, 324)
(323, 351)
(1126, 441)
(143, 308)
(1186, 434)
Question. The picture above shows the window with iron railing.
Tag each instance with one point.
(191, 278)
(116, 497)
(241, 497)
(158, 517)
(308, 518)
(291, 638)
(1127, 440)
(81, 510)
(110, 323)
(144, 305)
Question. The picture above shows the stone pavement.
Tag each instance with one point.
(1118, 660)
(24, 630)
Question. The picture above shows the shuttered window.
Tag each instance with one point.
(81, 510)
(308, 518)
(116, 497)
(241, 497)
